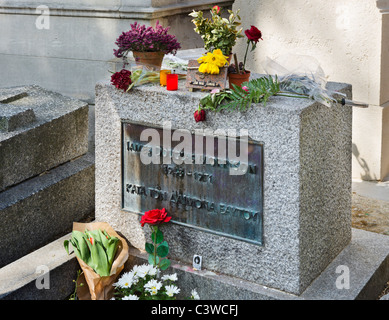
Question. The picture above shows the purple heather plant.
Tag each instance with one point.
(146, 39)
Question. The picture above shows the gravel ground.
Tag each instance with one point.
(372, 215)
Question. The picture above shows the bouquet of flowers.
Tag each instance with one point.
(96, 248)
(217, 32)
(101, 253)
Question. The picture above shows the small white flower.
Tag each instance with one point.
(125, 281)
(153, 286)
(135, 269)
(143, 271)
(171, 290)
(131, 297)
(195, 295)
(171, 277)
(152, 270)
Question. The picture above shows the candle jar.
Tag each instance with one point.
(172, 82)
(163, 77)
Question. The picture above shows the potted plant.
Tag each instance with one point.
(237, 72)
(147, 44)
(217, 32)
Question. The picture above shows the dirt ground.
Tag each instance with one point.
(371, 215)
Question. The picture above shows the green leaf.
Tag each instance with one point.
(149, 248)
(111, 249)
(165, 263)
(66, 245)
(163, 250)
(153, 261)
(80, 242)
(99, 260)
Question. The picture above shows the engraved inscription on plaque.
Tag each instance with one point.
(197, 184)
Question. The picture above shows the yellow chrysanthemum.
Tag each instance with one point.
(211, 62)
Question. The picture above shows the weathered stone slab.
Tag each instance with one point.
(12, 94)
(20, 278)
(13, 117)
(43, 208)
(307, 182)
(58, 134)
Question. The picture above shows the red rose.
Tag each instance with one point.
(216, 9)
(121, 79)
(199, 115)
(154, 217)
(253, 34)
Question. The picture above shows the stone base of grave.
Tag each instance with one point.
(367, 257)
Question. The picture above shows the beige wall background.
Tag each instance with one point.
(350, 39)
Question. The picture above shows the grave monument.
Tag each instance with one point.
(272, 232)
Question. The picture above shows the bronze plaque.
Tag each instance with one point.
(198, 80)
(197, 185)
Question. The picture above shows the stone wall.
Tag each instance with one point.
(67, 46)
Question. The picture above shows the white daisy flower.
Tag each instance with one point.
(195, 295)
(152, 270)
(172, 290)
(131, 297)
(153, 286)
(171, 277)
(142, 271)
(125, 281)
(135, 269)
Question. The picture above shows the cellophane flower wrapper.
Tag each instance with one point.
(143, 74)
(96, 287)
(302, 75)
(175, 63)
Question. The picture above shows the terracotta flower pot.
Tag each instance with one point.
(238, 79)
(152, 60)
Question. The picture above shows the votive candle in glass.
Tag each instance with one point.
(172, 82)
(163, 77)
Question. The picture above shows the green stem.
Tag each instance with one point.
(294, 95)
(245, 57)
(154, 230)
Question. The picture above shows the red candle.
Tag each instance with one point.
(172, 82)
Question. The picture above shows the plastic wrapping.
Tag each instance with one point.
(301, 75)
(142, 74)
(174, 63)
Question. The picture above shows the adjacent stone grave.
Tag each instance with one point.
(46, 175)
(291, 210)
